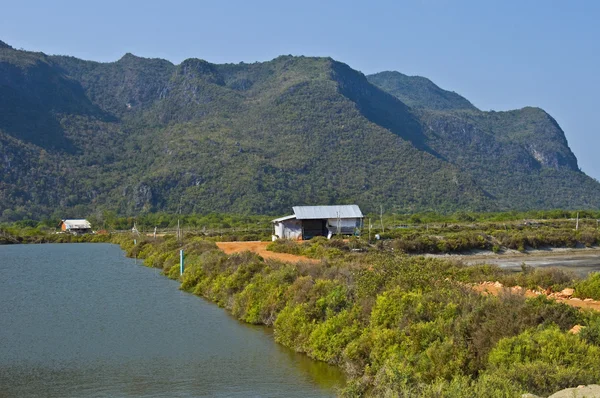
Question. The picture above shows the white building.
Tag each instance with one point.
(310, 221)
(76, 227)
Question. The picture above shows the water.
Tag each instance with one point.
(81, 320)
(581, 264)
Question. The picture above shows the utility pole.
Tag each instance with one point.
(381, 217)
(577, 224)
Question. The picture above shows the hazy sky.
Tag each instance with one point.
(500, 54)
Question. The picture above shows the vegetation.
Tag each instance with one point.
(137, 136)
(589, 287)
(29, 234)
(419, 92)
(398, 325)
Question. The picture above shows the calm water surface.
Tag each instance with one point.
(81, 320)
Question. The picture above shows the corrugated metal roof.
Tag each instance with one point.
(77, 224)
(323, 212)
(284, 218)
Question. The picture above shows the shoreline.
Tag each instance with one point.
(509, 254)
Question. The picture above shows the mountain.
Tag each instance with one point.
(140, 134)
(521, 158)
(419, 92)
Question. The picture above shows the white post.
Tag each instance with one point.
(181, 262)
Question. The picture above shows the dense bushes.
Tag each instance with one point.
(545, 359)
(319, 247)
(589, 287)
(447, 243)
(398, 325)
(535, 278)
(36, 235)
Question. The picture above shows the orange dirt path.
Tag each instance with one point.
(260, 248)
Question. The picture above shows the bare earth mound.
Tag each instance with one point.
(260, 248)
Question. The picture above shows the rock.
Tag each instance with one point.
(590, 391)
(498, 284)
(568, 292)
(576, 329)
(517, 289)
(588, 300)
(528, 395)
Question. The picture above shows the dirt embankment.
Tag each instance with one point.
(566, 296)
(260, 248)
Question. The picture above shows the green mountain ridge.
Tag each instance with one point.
(419, 92)
(143, 134)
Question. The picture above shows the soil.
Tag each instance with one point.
(260, 248)
(496, 288)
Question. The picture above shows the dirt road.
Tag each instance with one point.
(260, 248)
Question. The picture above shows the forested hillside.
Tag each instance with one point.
(140, 135)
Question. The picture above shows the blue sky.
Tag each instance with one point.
(500, 55)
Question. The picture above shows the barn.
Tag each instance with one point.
(310, 221)
(76, 227)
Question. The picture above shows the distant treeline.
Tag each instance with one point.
(394, 219)
(110, 220)
(148, 221)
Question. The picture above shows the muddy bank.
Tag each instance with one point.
(580, 261)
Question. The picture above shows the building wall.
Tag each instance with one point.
(293, 229)
(289, 229)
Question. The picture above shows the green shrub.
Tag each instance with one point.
(284, 246)
(293, 327)
(543, 361)
(589, 287)
(534, 278)
(591, 331)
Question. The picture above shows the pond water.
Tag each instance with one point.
(82, 320)
(580, 264)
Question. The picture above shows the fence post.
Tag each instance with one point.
(181, 262)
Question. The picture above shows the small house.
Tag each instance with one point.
(76, 227)
(310, 221)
